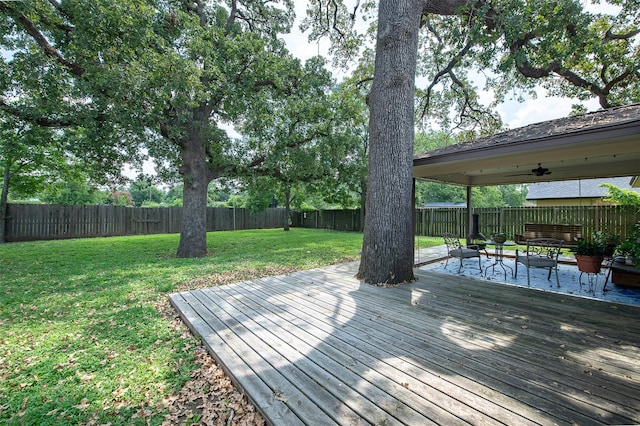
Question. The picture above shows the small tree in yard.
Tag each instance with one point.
(300, 143)
(30, 157)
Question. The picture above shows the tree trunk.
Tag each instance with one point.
(196, 175)
(287, 208)
(4, 199)
(363, 198)
(388, 234)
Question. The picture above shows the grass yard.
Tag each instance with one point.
(87, 335)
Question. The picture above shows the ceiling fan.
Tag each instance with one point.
(539, 171)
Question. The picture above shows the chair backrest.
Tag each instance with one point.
(544, 247)
(452, 241)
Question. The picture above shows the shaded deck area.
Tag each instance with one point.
(318, 347)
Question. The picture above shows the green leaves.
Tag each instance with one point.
(511, 45)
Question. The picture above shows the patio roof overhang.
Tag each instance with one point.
(600, 144)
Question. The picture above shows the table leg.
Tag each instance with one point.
(499, 260)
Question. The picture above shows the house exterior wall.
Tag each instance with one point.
(571, 202)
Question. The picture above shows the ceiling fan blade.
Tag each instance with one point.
(540, 171)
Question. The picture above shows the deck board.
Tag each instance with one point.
(319, 347)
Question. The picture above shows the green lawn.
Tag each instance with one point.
(86, 335)
(86, 332)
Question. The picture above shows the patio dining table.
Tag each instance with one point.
(499, 256)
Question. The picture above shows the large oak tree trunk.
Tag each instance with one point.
(387, 250)
(196, 174)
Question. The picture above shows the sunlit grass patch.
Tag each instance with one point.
(86, 335)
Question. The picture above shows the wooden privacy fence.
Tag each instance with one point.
(511, 220)
(434, 221)
(339, 220)
(30, 222)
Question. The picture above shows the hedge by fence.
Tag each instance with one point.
(29, 222)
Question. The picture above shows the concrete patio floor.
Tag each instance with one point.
(434, 259)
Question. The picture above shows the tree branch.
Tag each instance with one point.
(232, 16)
(335, 19)
(610, 36)
(525, 68)
(40, 39)
(448, 70)
(41, 121)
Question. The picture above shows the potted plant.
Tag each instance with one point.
(630, 247)
(589, 255)
(499, 237)
(608, 240)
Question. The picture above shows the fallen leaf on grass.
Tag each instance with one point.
(84, 403)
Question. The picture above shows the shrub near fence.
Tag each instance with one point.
(30, 222)
(434, 221)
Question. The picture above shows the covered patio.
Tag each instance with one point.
(320, 347)
(596, 145)
(572, 282)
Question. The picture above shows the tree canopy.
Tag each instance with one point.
(138, 77)
(297, 143)
(515, 44)
(30, 157)
(575, 49)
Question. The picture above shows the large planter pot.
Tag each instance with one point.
(589, 264)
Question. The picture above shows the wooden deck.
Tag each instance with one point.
(318, 348)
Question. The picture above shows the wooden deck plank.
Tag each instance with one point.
(318, 347)
(330, 359)
(582, 383)
(243, 375)
(466, 362)
(521, 323)
(556, 342)
(410, 381)
(545, 326)
(377, 376)
(319, 385)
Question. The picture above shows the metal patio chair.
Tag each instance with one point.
(540, 253)
(455, 249)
